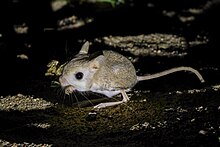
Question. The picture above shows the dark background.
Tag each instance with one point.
(129, 18)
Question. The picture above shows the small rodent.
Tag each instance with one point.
(106, 72)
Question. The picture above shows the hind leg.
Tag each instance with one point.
(108, 104)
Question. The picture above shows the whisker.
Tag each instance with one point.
(86, 98)
(64, 98)
(60, 94)
(87, 93)
(76, 99)
(71, 99)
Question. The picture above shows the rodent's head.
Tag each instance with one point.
(78, 73)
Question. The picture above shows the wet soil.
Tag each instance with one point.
(175, 110)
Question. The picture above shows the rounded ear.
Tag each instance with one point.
(85, 48)
(97, 62)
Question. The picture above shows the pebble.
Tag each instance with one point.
(22, 103)
(4, 143)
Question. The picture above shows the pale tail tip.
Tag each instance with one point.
(202, 80)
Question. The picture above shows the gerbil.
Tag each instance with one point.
(106, 72)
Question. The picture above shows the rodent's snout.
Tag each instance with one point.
(63, 81)
(67, 87)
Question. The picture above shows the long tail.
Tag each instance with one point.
(169, 71)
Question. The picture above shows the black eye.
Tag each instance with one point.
(79, 75)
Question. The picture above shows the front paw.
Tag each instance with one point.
(69, 89)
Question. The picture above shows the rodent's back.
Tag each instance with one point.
(116, 73)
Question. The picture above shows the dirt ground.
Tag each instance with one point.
(174, 110)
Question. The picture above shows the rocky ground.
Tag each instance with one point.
(175, 110)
